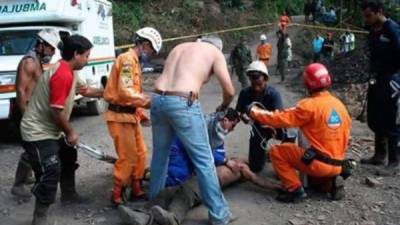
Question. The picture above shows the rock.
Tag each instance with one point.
(372, 182)
(5, 212)
(321, 217)
(297, 221)
(368, 223)
(100, 220)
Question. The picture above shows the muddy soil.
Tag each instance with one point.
(363, 204)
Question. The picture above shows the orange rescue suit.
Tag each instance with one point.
(124, 88)
(264, 52)
(325, 123)
(283, 22)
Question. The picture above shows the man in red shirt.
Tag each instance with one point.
(46, 132)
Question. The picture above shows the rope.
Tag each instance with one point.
(247, 28)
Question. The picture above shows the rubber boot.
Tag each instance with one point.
(136, 191)
(68, 191)
(116, 195)
(393, 167)
(337, 192)
(134, 217)
(40, 214)
(381, 145)
(292, 196)
(19, 188)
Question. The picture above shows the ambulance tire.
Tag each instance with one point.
(96, 107)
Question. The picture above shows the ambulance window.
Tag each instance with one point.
(17, 42)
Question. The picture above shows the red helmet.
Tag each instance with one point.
(316, 76)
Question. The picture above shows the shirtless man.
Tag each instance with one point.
(30, 68)
(176, 110)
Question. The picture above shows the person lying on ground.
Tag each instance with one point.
(183, 193)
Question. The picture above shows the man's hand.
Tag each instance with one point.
(90, 92)
(234, 166)
(72, 138)
(244, 118)
(221, 108)
(145, 122)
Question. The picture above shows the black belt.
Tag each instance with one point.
(121, 108)
(328, 160)
(312, 154)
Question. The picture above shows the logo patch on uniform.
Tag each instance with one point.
(334, 120)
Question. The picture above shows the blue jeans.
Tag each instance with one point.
(171, 115)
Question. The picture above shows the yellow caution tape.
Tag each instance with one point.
(328, 28)
(246, 28)
(204, 34)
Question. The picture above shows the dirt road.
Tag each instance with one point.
(253, 206)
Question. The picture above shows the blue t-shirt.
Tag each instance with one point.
(180, 168)
(317, 44)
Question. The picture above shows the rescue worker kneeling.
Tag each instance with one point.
(325, 123)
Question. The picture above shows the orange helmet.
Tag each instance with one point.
(316, 77)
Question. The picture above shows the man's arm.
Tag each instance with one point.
(258, 180)
(221, 71)
(90, 92)
(292, 117)
(61, 121)
(24, 78)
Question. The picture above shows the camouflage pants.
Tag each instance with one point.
(241, 73)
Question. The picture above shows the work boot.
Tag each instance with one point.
(292, 196)
(134, 217)
(116, 195)
(19, 189)
(162, 216)
(337, 192)
(136, 191)
(40, 214)
(68, 191)
(378, 159)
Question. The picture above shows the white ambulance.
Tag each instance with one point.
(21, 20)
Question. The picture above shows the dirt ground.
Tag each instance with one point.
(363, 205)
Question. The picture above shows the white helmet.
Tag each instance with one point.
(152, 35)
(50, 36)
(258, 66)
(263, 37)
(214, 40)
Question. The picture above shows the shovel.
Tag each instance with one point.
(95, 153)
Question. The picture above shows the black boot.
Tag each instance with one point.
(19, 188)
(381, 145)
(292, 196)
(393, 167)
(337, 192)
(68, 191)
(40, 213)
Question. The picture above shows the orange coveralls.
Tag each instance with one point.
(326, 125)
(283, 22)
(264, 52)
(124, 88)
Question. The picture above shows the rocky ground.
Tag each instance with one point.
(370, 200)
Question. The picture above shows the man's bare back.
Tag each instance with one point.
(28, 73)
(190, 65)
